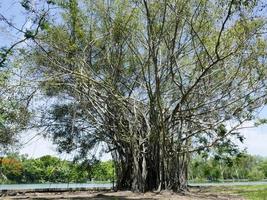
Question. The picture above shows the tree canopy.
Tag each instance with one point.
(14, 113)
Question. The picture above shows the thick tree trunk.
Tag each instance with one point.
(136, 175)
(148, 161)
(123, 181)
(180, 182)
(182, 177)
(143, 172)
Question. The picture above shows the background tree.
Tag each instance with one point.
(15, 93)
(11, 169)
(103, 171)
(240, 166)
(17, 168)
(14, 113)
(202, 168)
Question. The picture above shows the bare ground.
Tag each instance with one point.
(194, 194)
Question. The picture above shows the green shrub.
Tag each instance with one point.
(255, 175)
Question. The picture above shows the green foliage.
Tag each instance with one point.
(263, 167)
(14, 114)
(49, 169)
(260, 122)
(11, 168)
(29, 34)
(255, 174)
(103, 171)
(44, 25)
(221, 130)
(3, 56)
(215, 168)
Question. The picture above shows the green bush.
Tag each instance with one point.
(255, 175)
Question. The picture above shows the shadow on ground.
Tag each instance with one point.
(197, 194)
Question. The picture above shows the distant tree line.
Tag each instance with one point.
(217, 168)
(20, 169)
(49, 169)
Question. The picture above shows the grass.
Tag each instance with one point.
(250, 192)
(253, 192)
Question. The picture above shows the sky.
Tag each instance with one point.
(41, 146)
(256, 138)
(255, 142)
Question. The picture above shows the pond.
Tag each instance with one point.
(55, 185)
(104, 185)
(230, 183)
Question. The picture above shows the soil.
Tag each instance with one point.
(194, 194)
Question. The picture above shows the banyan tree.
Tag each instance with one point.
(155, 81)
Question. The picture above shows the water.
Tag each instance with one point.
(55, 185)
(230, 183)
(104, 185)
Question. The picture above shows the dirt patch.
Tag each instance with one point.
(194, 194)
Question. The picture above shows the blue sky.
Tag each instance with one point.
(256, 138)
(11, 10)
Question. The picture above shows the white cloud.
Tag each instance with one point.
(40, 146)
(35, 145)
(256, 140)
